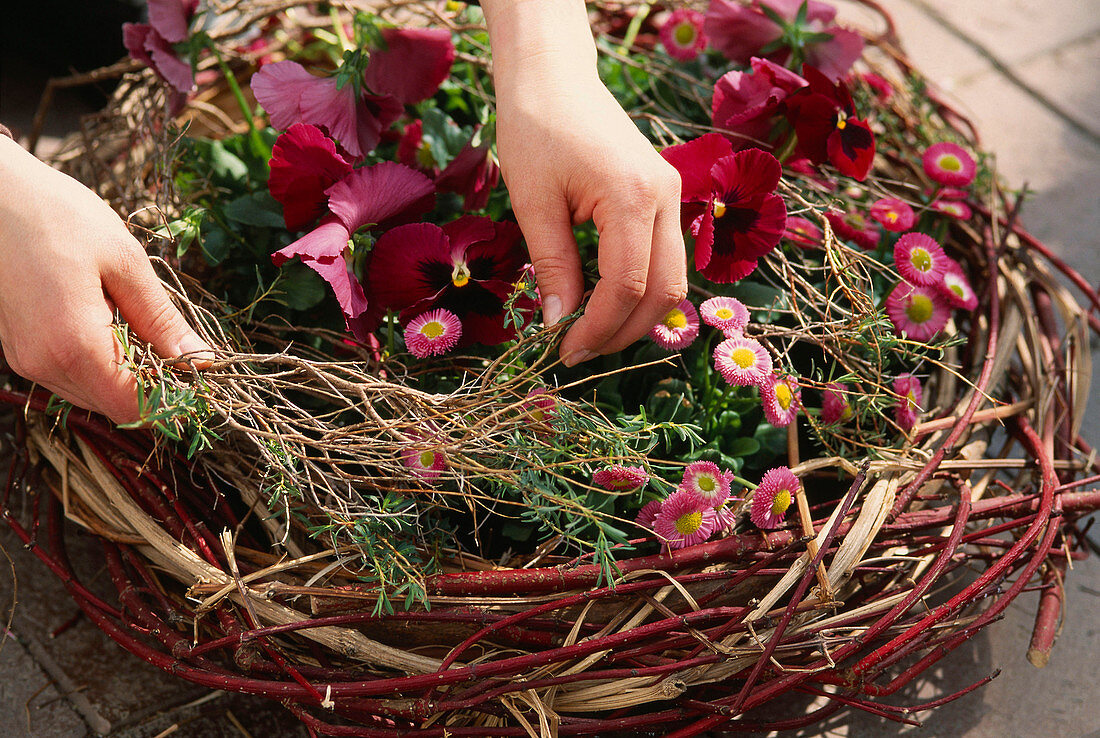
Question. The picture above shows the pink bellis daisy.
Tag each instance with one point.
(648, 514)
(919, 259)
(727, 314)
(918, 313)
(895, 215)
(678, 328)
(682, 34)
(725, 516)
(742, 361)
(949, 164)
(910, 395)
(433, 333)
(772, 498)
(684, 520)
(854, 227)
(956, 287)
(835, 407)
(705, 479)
(620, 478)
(728, 202)
(425, 463)
(540, 404)
(803, 233)
(781, 398)
(955, 208)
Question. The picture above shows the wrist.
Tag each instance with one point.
(539, 41)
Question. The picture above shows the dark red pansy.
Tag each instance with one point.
(746, 106)
(413, 151)
(304, 163)
(473, 174)
(824, 118)
(469, 267)
(413, 64)
(729, 204)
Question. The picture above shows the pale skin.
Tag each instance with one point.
(568, 154)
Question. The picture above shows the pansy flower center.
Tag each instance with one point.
(892, 216)
(460, 275)
(950, 162)
(783, 395)
(920, 308)
(427, 458)
(719, 208)
(688, 523)
(743, 357)
(676, 319)
(424, 155)
(684, 34)
(781, 502)
(920, 259)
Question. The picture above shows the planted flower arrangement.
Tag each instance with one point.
(389, 506)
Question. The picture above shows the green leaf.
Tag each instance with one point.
(257, 209)
(225, 164)
(742, 446)
(302, 287)
(215, 244)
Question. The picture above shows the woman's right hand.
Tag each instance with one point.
(67, 262)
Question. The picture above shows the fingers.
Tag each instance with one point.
(548, 230)
(642, 273)
(141, 299)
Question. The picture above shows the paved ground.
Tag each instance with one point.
(1026, 71)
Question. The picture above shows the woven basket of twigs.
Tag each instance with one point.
(217, 588)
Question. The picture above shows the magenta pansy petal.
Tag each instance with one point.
(133, 38)
(837, 55)
(277, 87)
(413, 64)
(851, 148)
(326, 241)
(472, 173)
(703, 230)
(693, 160)
(746, 173)
(470, 229)
(738, 30)
(170, 18)
(304, 163)
(380, 193)
(349, 293)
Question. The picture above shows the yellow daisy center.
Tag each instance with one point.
(427, 458)
(707, 483)
(781, 502)
(676, 319)
(912, 400)
(743, 357)
(846, 413)
(684, 34)
(951, 163)
(433, 329)
(723, 313)
(783, 395)
(688, 523)
(892, 216)
(957, 289)
(919, 309)
(920, 259)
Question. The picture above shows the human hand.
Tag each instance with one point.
(66, 262)
(569, 153)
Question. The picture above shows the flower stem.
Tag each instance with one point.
(259, 148)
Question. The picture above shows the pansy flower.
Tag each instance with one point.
(433, 333)
(423, 462)
(884, 91)
(707, 481)
(620, 478)
(803, 233)
(152, 43)
(742, 361)
(761, 28)
(414, 151)
(682, 34)
(956, 288)
(920, 259)
(781, 398)
(678, 328)
(468, 266)
(824, 118)
(411, 64)
(771, 499)
(684, 520)
(855, 227)
(746, 105)
(916, 312)
(893, 214)
(372, 197)
(949, 164)
(910, 395)
(835, 407)
(727, 314)
(729, 203)
(472, 173)
(304, 164)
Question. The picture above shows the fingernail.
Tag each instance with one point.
(577, 357)
(196, 349)
(551, 310)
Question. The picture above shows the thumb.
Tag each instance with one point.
(140, 297)
(557, 264)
